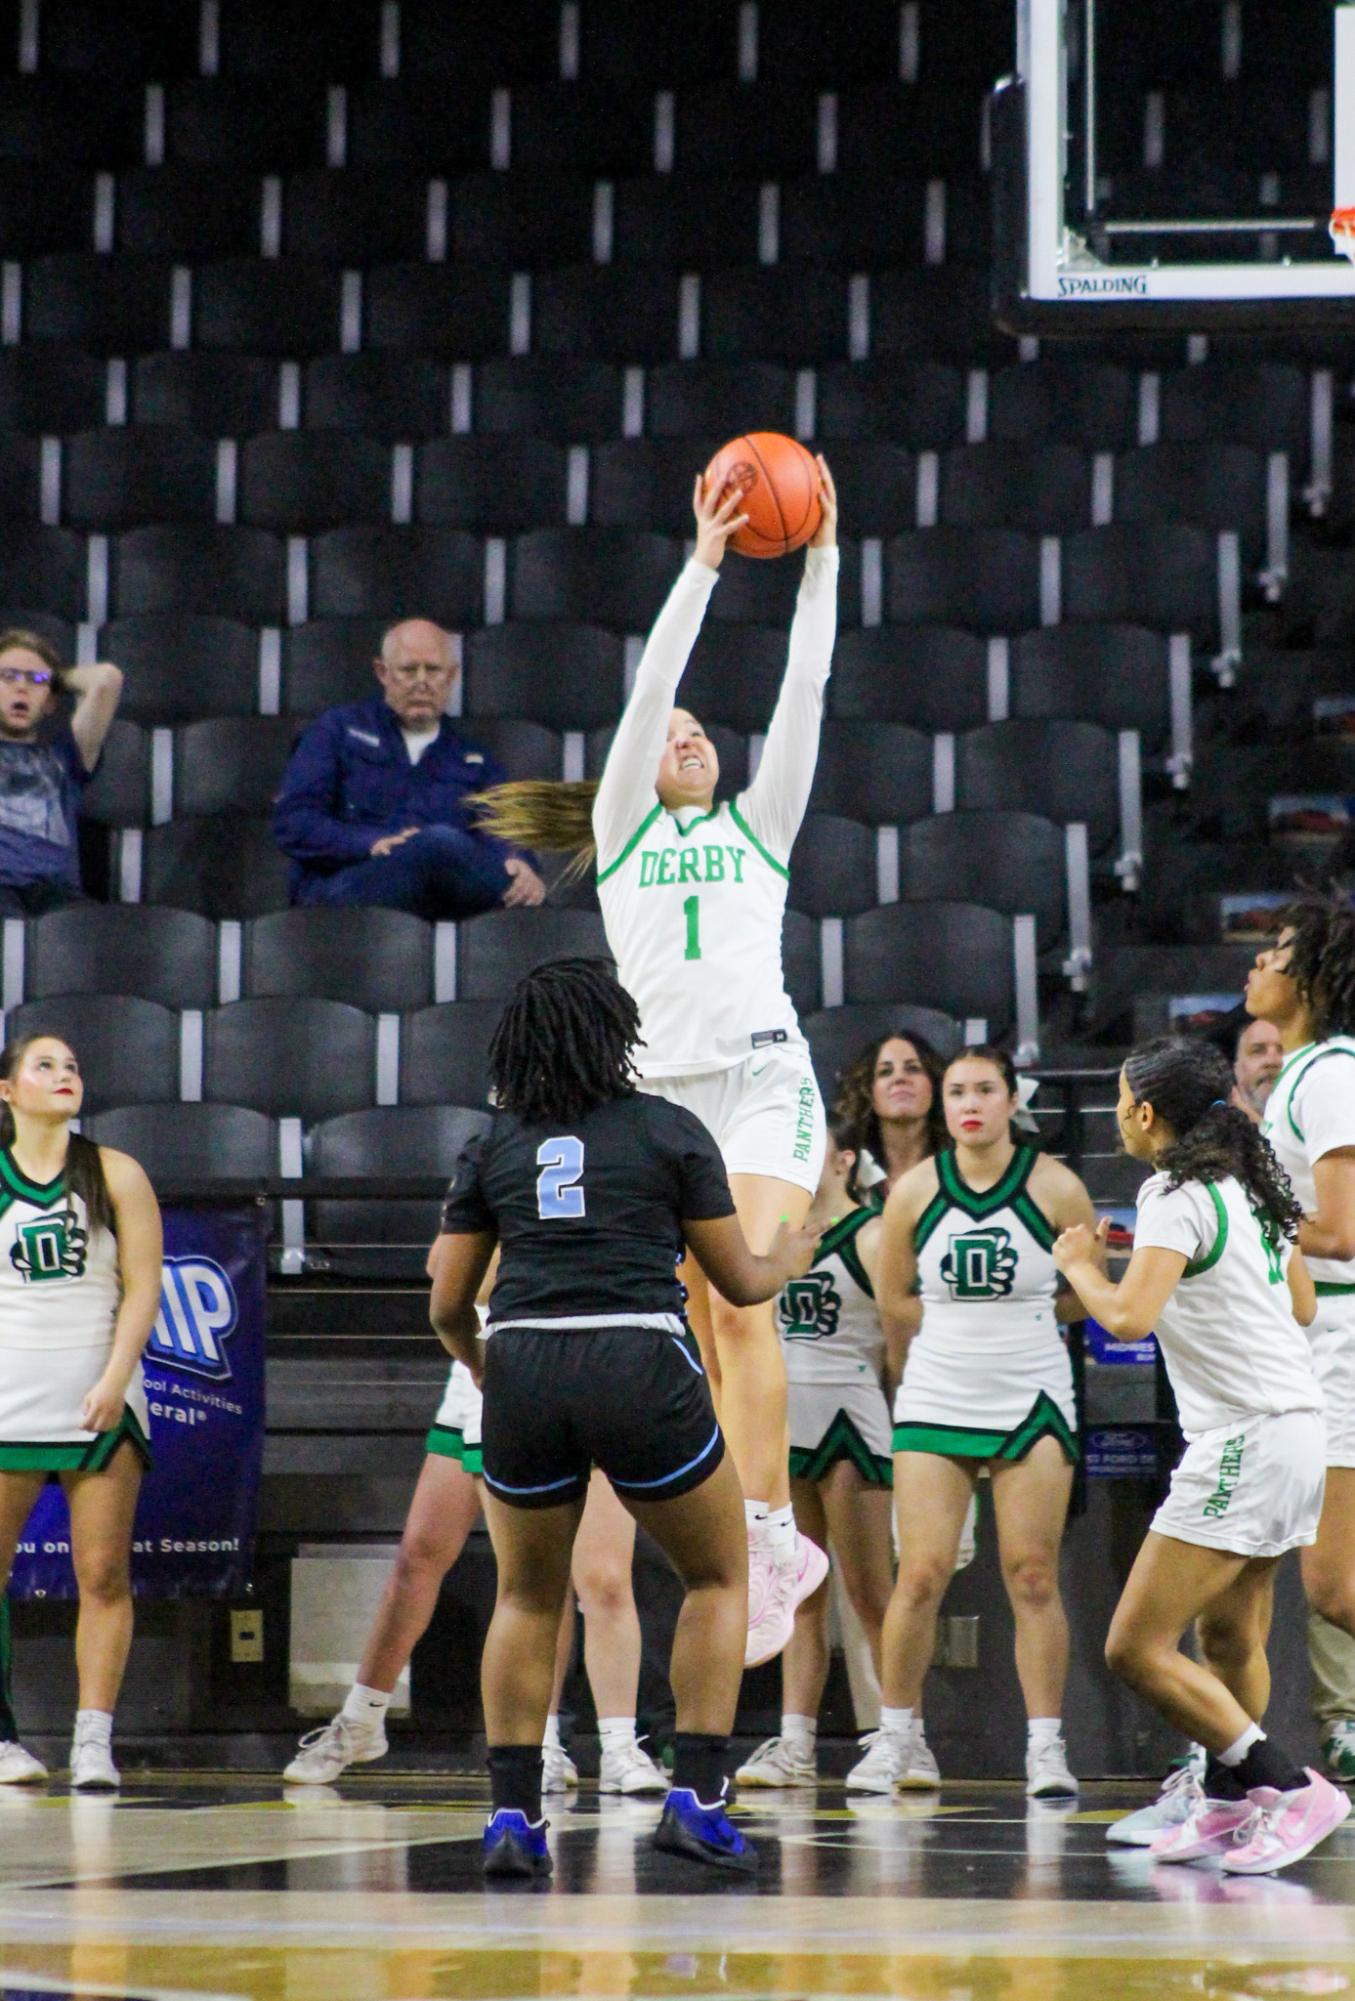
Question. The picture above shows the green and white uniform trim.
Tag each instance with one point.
(455, 1431)
(835, 1355)
(987, 1375)
(60, 1290)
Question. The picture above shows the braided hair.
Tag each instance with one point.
(84, 1163)
(1189, 1083)
(565, 1042)
(1322, 961)
(854, 1111)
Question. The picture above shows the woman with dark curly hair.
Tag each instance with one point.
(1305, 984)
(1216, 1272)
(889, 1105)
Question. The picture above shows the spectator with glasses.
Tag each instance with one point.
(375, 805)
(53, 721)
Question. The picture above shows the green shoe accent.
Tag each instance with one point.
(1338, 1754)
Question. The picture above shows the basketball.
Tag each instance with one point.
(779, 481)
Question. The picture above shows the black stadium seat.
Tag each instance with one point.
(940, 311)
(628, 46)
(223, 865)
(36, 121)
(749, 130)
(182, 665)
(802, 961)
(191, 1142)
(838, 1035)
(299, 482)
(439, 124)
(987, 579)
(397, 573)
(375, 959)
(495, 951)
(1201, 482)
(44, 567)
(20, 477)
(267, 305)
(1116, 675)
(235, 572)
(346, 218)
(570, 677)
(190, 211)
(646, 482)
(290, 1056)
(230, 764)
(606, 312)
(123, 477)
(772, 315)
(524, 219)
(128, 1049)
(220, 395)
(118, 794)
(879, 772)
(44, 205)
(272, 127)
(444, 1052)
(525, 750)
(84, 39)
(110, 306)
(260, 39)
(495, 486)
(916, 403)
(833, 867)
(1146, 573)
(949, 955)
(1011, 860)
(394, 396)
(933, 677)
(547, 397)
(1087, 403)
(160, 955)
(576, 128)
(613, 577)
(847, 225)
(876, 486)
(735, 679)
(433, 309)
(808, 45)
(371, 1238)
(712, 399)
(1063, 770)
(687, 221)
(1044, 488)
(517, 41)
(51, 388)
(329, 660)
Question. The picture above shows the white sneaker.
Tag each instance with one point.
(630, 1770)
(880, 1770)
(92, 1767)
(1181, 1793)
(1047, 1773)
(920, 1773)
(324, 1753)
(19, 1767)
(1338, 1750)
(559, 1773)
(779, 1762)
(771, 1605)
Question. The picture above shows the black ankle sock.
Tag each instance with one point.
(700, 1764)
(1221, 1782)
(515, 1777)
(1267, 1765)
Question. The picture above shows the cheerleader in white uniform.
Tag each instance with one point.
(1215, 1274)
(965, 1260)
(442, 1513)
(693, 894)
(80, 1265)
(1305, 984)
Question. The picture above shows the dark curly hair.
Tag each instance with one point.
(1322, 960)
(1189, 1083)
(854, 1115)
(565, 1042)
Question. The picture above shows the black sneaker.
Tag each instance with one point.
(515, 1846)
(703, 1834)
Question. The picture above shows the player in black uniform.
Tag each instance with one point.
(591, 1189)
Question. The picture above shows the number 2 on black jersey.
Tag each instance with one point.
(557, 1190)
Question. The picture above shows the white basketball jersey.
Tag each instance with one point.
(984, 1267)
(1310, 1111)
(828, 1320)
(59, 1284)
(1232, 1346)
(694, 912)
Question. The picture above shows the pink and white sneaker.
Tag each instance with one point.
(811, 1567)
(771, 1606)
(1287, 1826)
(1212, 1829)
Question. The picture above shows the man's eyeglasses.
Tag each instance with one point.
(36, 677)
(408, 671)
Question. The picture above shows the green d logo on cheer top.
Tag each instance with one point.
(980, 1264)
(53, 1248)
(810, 1307)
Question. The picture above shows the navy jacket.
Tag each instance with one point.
(350, 780)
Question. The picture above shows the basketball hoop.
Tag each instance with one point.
(1343, 231)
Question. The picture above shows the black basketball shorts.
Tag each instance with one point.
(632, 1400)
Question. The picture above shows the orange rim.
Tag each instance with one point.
(1343, 231)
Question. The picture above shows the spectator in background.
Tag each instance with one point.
(1258, 1058)
(889, 1101)
(375, 803)
(47, 752)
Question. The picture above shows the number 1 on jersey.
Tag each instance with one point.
(561, 1164)
(691, 910)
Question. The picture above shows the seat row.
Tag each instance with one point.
(48, 388)
(299, 1055)
(181, 668)
(127, 303)
(520, 41)
(302, 482)
(518, 217)
(1169, 577)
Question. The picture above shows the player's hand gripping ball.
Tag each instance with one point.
(779, 483)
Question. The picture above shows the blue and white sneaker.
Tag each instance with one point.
(703, 1833)
(515, 1846)
(1182, 1792)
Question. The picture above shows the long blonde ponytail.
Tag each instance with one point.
(552, 815)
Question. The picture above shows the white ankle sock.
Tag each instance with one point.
(1235, 1753)
(550, 1736)
(94, 1723)
(755, 1516)
(616, 1733)
(781, 1532)
(895, 1722)
(801, 1731)
(1042, 1730)
(366, 1705)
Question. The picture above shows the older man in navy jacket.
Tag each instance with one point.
(374, 806)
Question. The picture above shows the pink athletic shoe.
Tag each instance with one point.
(1212, 1829)
(1287, 1826)
(811, 1567)
(771, 1606)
